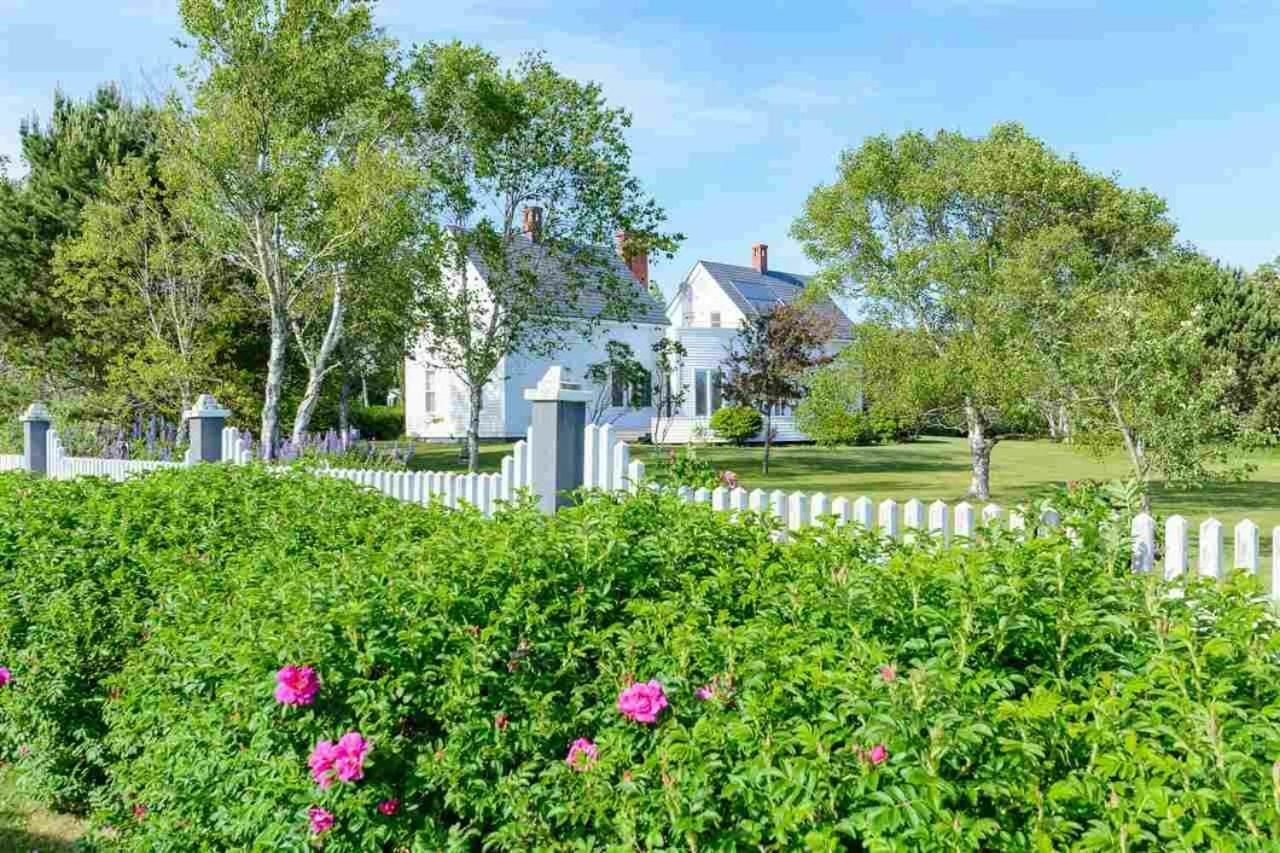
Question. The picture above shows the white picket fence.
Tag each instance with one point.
(10, 461)
(1211, 559)
(64, 467)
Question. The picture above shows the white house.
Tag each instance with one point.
(436, 400)
(704, 315)
(706, 312)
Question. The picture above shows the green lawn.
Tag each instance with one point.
(24, 827)
(934, 468)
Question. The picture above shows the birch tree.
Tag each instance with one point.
(293, 166)
(531, 175)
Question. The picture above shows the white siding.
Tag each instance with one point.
(700, 297)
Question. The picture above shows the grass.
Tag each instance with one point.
(25, 827)
(938, 468)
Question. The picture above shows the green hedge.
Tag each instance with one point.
(381, 423)
(736, 424)
(822, 693)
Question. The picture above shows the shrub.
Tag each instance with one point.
(379, 423)
(684, 466)
(736, 424)
(821, 692)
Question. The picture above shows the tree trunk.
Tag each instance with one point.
(768, 437)
(344, 404)
(275, 381)
(979, 453)
(473, 429)
(1137, 453)
(364, 390)
(319, 366)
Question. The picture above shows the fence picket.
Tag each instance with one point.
(1176, 540)
(604, 476)
(889, 519)
(778, 504)
(636, 475)
(964, 520)
(991, 514)
(1275, 564)
(863, 512)
(1246, 546)
(797, 510)
(590, 456)
(758, 500)
(621, 462)
(913, 519)
(720, 499)
(1211, 548)
(738, 499)
(842, 511)
(940, 521)
(820, 506)
(1142, 536)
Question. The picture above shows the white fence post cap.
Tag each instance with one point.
(206, 406)
(556, 385)
(36, 412)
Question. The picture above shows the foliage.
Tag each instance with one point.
(292, 171)
(1241, 321)
(685, 466)
(925, 228)
(668, 393)
(67, 160)
(379, 423)
(822, 692)
(769, 358)
(620, 378)
(492, 141)
(834, 408)
(736, 424)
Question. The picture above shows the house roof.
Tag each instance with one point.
(580, 293)
(755, 293)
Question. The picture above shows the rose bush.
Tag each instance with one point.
(630, 674)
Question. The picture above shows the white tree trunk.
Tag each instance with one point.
(473, 428)
(979, 454)
(319, 366)
(275, 381)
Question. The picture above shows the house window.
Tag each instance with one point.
(706, 392)
(637, 396)
(715, 319)
(429, 394)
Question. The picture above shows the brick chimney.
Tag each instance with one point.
(760, 257)
(637, 262)
(533, 223)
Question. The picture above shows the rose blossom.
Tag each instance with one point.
(705, 692)
(878, 754)
(642, 702)
(729, 478)
(296, 685)
(321, 819)
(388, 807)
(343, 760)
(582, 755)
(5, 676)
(888, 672)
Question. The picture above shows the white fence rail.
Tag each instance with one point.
(10, 462)
(64, 467)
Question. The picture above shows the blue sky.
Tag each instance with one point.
(741, 108)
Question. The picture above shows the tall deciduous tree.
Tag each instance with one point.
(769, 359)
(293, 166)
(923, 228)
(141, 292)
(493, 142)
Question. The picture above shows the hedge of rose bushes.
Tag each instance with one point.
(232, 659)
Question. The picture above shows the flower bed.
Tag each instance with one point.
(257, 661)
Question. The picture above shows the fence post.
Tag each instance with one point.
(558, 430)
(35, 439)
(205, 422)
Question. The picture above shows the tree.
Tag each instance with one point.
(1241, 318)
(769, 358)
(67, 160)
(620, 381)
(496, 144)
(923, 228)
(294, 170)
(668, 390)
(141, 292)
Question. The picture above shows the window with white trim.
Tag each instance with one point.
(715, 319)
(429, 392)
(706, 392)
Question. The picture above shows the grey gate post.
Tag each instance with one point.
(205, 422)
(559, 429)
(35, 439)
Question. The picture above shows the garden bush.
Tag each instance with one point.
(379, 423)
(736, 424)
(637, 673)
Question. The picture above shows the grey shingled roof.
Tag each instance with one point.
(588, 296)
(784, 285)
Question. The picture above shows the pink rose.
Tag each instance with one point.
(343, 760)
(388, 807)
(321, 819)
(889, 672)
(140, 811)
(642, 702)
(5, 676)
(729, 479)
(582, 755)
(296, 685)
(878, 754)
(705, 692)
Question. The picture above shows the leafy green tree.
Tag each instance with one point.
(141, 292)
(620, 381)
(494, 143)
(1241, 318)
(67, 159)
(668, 391)
(922, 228)
(294, 169)
(769, 359)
